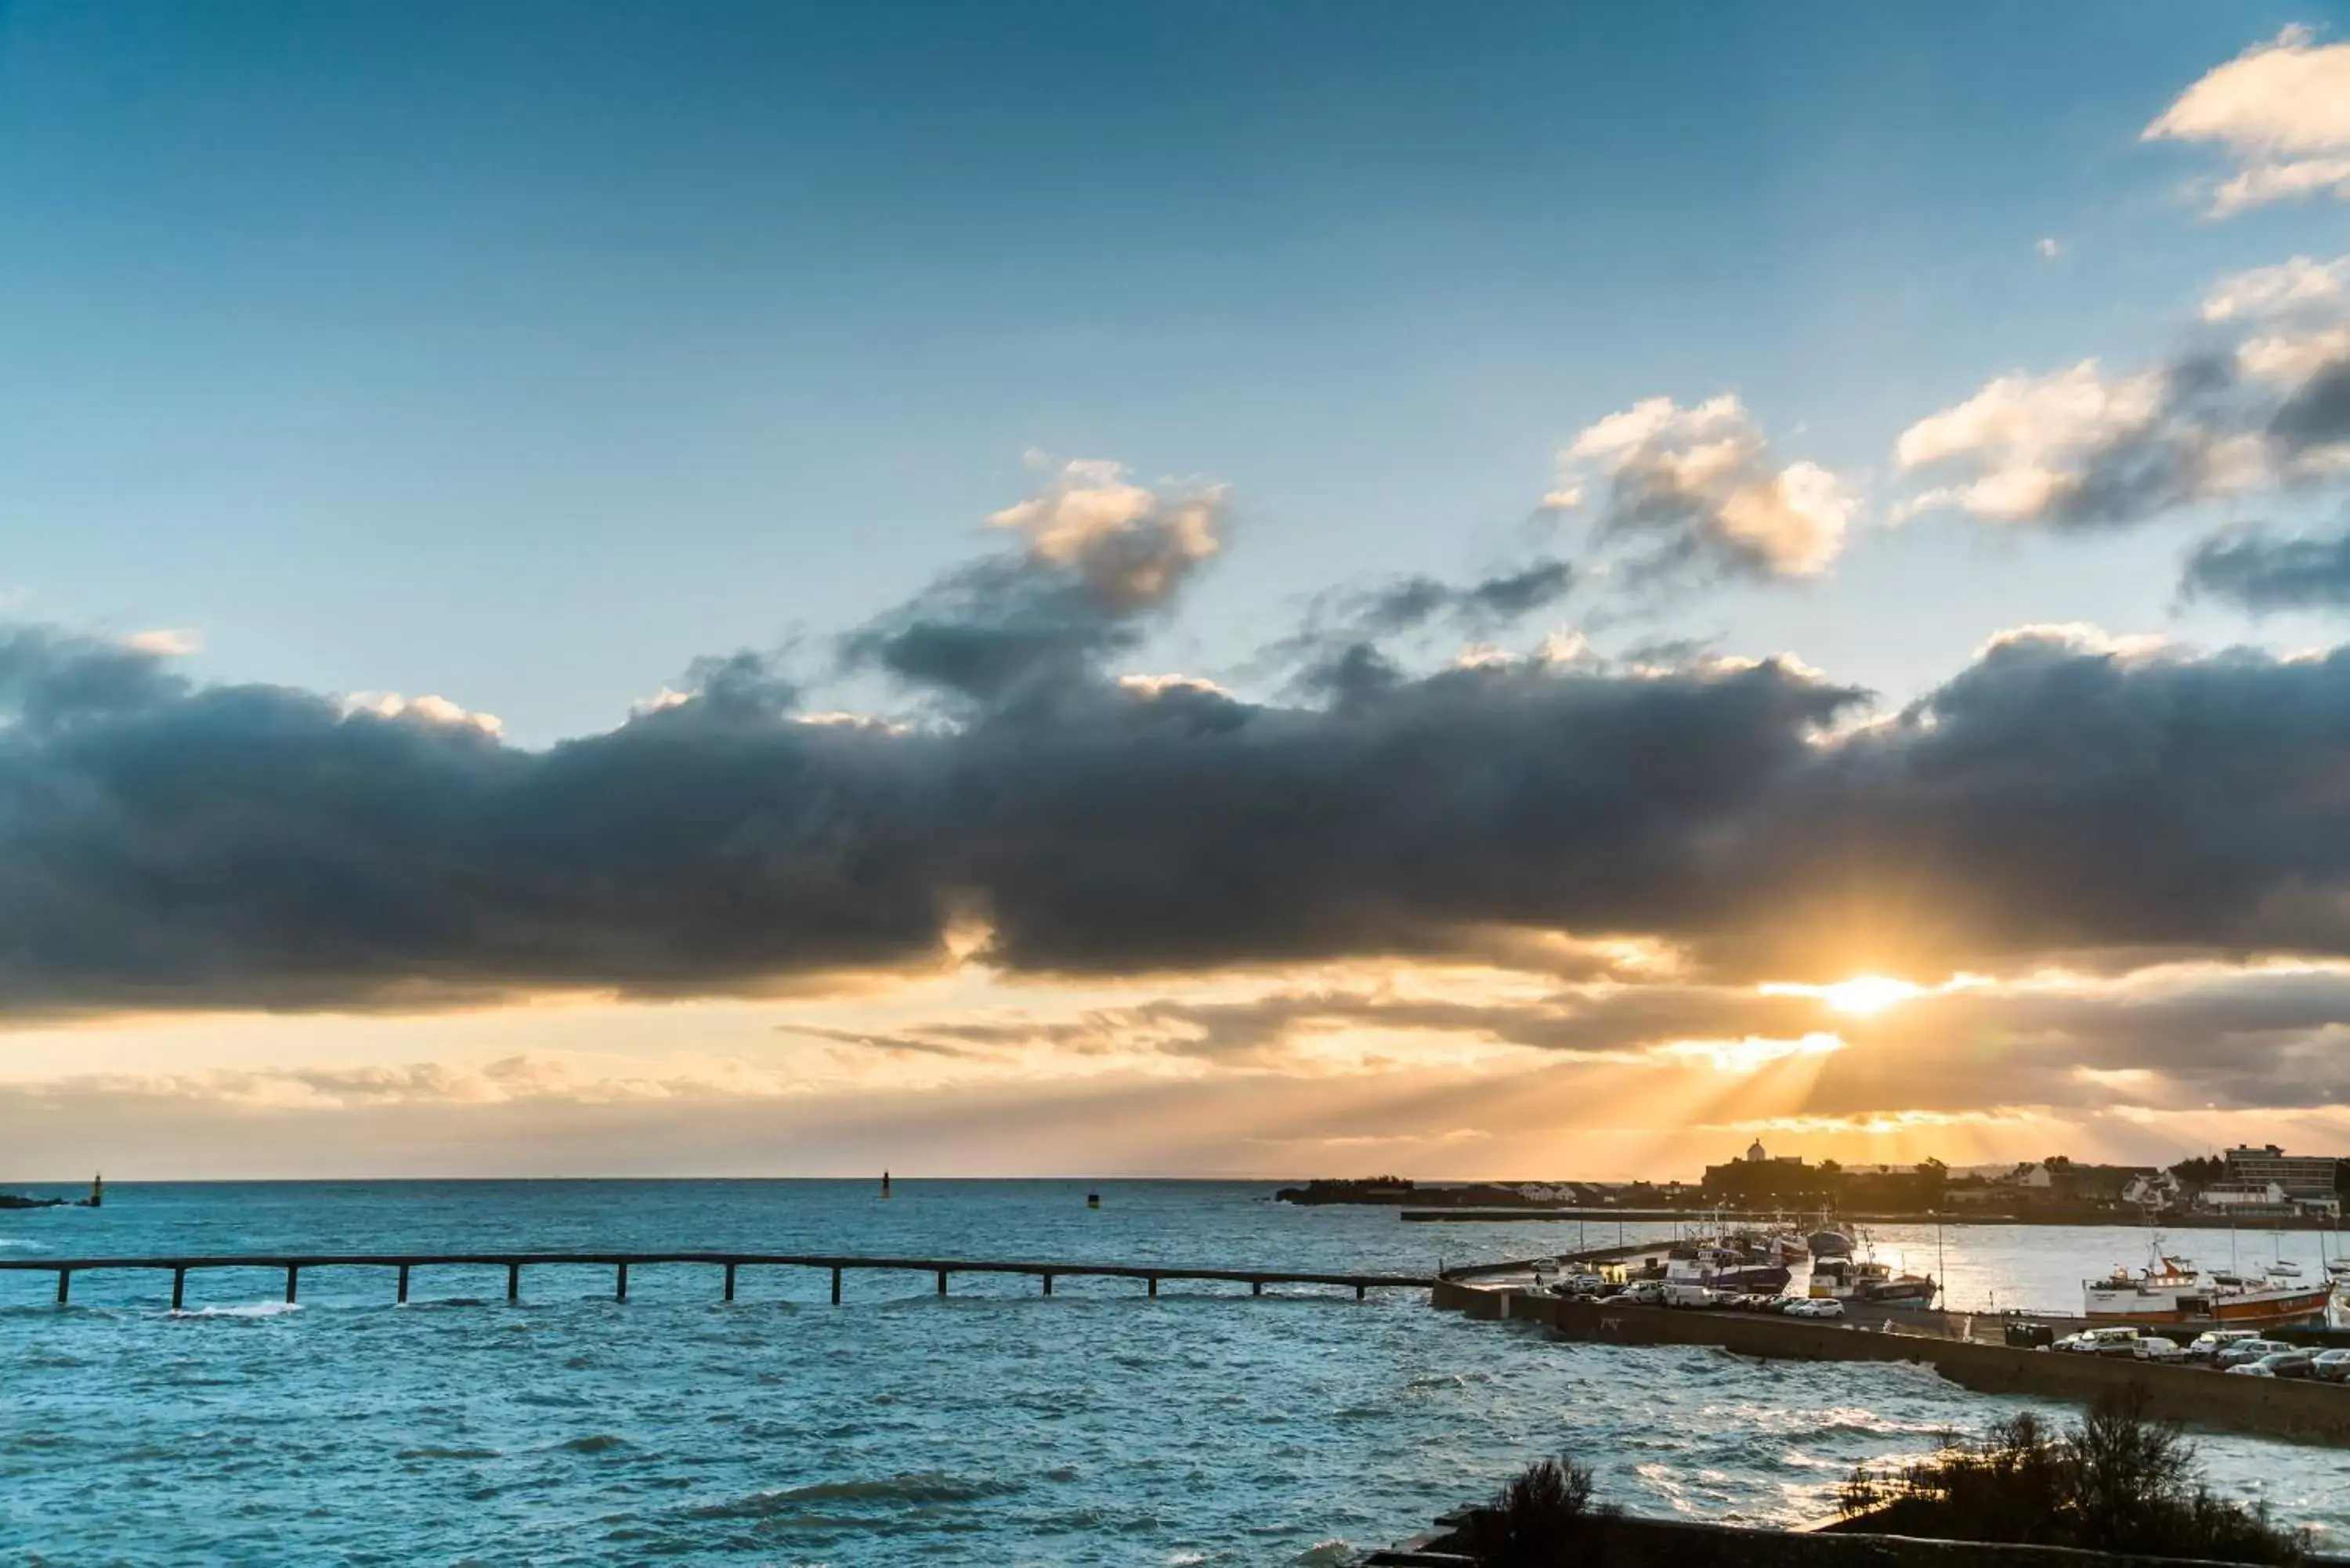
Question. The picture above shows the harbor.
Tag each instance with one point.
(1779, 1294)
(1260, 1425)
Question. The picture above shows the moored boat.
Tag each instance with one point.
(1724, 1269)
(2171, 1290)
(1902, 1290)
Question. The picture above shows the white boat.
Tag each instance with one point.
(2285, 1271)
(2171, 1289)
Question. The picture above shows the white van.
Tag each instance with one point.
(2117, 1341)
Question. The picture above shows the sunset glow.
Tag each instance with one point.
(1862, 995)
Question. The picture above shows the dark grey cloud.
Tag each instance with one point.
(164, 844)
(2262, 571)
(1337, 649)
(2318, 412)
(1101, 559)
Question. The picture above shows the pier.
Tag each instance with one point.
(730, 1264)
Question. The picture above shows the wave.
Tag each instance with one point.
(1325, 1555)
(916, 1487)
(247, 1310)
(438, 1453)
(22, 1244)
(597, 1443)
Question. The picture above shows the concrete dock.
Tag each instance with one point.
(2265, 1407)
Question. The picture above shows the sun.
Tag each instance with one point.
(1863, 994)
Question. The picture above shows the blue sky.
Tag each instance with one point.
(524, 359)
(524, 355)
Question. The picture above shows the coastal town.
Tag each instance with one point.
(2244, 1185)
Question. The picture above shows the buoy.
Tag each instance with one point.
(1093, 1200)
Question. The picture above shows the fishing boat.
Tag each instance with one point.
(1725, 1268)
(1847, 1279)
(1828, 1243)
(1902, 1290)
(2172, 1290)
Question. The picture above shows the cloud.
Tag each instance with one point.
(2262, 402)
(2078, 447)
(1337, 648)
(1697, 492)
(2281, 110)
(2048, 248)
(1101, 556)
(2263, 571)
(169, 642)
(166, 844)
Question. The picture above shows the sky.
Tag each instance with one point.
(1258, 590)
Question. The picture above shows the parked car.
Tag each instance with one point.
(2116, 1341)
(2030, 1335)
(2246, 1351)
(2331, 1365)
(2207, 1345)
(1641, 1293)
(2249, 1369)
(2159, 1348)
(1820, 1307)
(2297, 1362)
(1680, 1294)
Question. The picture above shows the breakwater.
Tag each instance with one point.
(2264, 1407)
(404, 1265)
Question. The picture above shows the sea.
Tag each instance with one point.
(994, 1425)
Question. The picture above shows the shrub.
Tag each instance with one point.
(1537, 1521)
(2116, 1481)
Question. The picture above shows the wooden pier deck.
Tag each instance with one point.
(292, 1265)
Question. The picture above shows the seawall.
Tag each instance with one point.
(1623, 1542)
(2265, 1407)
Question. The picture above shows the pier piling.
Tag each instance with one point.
(1256, 1287)
(179, 1288)
(1048, 1284)
(293, 1273)
(1154, 1284)
(942, 1281)
(404, 1283)
(64, 1285)
(836, 1287)
(730, 1282)
(514, 1282)
(620, 1285)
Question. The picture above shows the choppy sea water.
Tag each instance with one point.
(994, 1426)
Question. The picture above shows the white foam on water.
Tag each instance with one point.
(250, 1309)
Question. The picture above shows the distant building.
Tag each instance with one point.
(1755, 1153)
(2300, 1174)
(2243, 1195)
